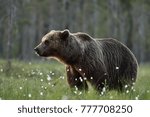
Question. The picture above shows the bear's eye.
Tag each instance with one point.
(46, 42)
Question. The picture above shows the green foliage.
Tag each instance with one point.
(47, 80)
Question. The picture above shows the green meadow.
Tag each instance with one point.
(46, 80)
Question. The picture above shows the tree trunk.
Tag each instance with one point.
(10, 20)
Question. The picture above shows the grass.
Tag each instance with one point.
(47, 80)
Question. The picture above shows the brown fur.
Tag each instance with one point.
(101, 62)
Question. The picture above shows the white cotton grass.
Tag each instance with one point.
(81, 79)
(111, 97)
(49, 78)
(32, 72)
(76, 88)
(20, 88)
(1, 70)
(105, 74)
(41, 93)
(85, 78)
(104, 89)
(80, 93)
(127, 91)
(126, 86)
(53, 74)
(30, 63)
(52, 85)
(29, 95)
(19, 76)
(40, 73)
(67, 70)
(137, 97)
(76, 79)
(75, 92)
(62, 77)
(80, 69)
(117, 68)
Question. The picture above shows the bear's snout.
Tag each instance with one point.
(36, 49)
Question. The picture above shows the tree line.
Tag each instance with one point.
(24, 22)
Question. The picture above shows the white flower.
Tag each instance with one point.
(53, 74)
(52, 85)
(85, 78)
(102, 93)
(76, 88)
(80, 93)
(41, 93)
(48, 78)
(41, 73)
(32, 72)
(67, 70)
(81, 79)
(20, 88)
(137, 97)
(41, 80)
(62, 77)
(126, 86)
(104, 89)
(91, 78)
(29, 95)
(80, 69)
(127, 91)
(75, 92)
(1, 70)
(147, 91)
(117, 67)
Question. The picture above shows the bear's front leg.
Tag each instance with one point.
(75, 80)
(99, 80)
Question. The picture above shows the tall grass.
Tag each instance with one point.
(47, 80)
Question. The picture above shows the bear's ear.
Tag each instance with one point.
(65, 34)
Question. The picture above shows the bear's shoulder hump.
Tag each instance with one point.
(83, 36)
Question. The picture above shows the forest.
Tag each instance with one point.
(24, 22)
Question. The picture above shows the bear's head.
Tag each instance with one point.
(51, 43)
(59, 44)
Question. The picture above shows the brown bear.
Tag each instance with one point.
(101, 62)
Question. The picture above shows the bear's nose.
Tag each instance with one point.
(36, 49)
